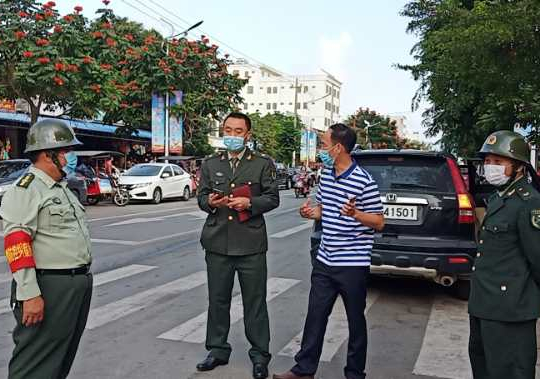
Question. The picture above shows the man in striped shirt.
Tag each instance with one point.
(350, 209)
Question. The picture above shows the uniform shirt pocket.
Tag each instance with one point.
(61, 217)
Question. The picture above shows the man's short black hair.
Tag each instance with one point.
(241, 116)
(341, 133)
(33, 156)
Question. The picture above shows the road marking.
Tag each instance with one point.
(145, 242)
(444, 352)
(282, 212)
(194, 330)
(294, 230)
(141, 213)
(128, 305)
(337, 331)
(143, 220)
(99, 279)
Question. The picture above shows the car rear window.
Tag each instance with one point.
(418, 174)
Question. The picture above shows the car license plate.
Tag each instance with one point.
(400, 212)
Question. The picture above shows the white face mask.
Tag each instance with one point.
(495, 175)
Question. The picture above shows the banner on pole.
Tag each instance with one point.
(176, 125)
(158, 124)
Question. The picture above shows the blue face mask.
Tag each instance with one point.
(71, 160)
(233, 143)
(326, 159)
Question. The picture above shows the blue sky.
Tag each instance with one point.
(358, 41)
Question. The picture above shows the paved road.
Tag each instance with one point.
(148, 310)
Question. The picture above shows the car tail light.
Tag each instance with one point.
(457, 260)
(465, 201)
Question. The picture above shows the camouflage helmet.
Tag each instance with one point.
(506, 143)
(50, 134)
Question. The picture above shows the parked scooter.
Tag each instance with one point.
(120, 193)
(301, 185)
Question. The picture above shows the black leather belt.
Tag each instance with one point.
(83, 270)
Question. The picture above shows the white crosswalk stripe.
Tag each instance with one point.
(126, 306)
(444, 351)
(99, 279)
(337, 331)
(294, 230)
(194, 330)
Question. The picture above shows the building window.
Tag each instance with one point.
(333, 108)
(298, 89)
(298, 105)
(337, 109)
(268, 89)
(305, 106)
(313, 86)
(334, 92)
(236, 72)
(268, 106)
(337, 94)
(306, 89)
(282, 87)
(250, 90)
(246, 74)
(328, 89)
(290, 103)
(281, 104)
(312, 103)
(260, 104)
(274, 90)
(245, 106)
(252, 104)
(262, 88)
(252, 72)
(274, 106)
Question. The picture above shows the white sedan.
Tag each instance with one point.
(156, 181)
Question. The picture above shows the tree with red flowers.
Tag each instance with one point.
(109, 65)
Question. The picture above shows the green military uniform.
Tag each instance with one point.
(47, 246)
(232, 246)
(504, 302)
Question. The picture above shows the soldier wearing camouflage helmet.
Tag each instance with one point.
(504, 302)
(47, 246)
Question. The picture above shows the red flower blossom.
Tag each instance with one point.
(124, 105)
(227, 56)
(145, 49)
(23, 14)
(42, 42)
(111, 42)
(44, 60)
(49, 13)
(87, 60)
(129, 37)
(51, 4)
(106, 25)
(59, 81)
(105, 66)
(96, 88)
(68, 18)
(78, 9)
(39, 17)
(122, 62)
(20, 35)
(59, 66)
(97, 35)
(28, 54)
(73, 68)
(58, 29)
(106, 2)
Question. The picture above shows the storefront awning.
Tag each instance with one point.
(75, 124)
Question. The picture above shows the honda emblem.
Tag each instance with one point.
(391, 197)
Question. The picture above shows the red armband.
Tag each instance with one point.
(18, 250)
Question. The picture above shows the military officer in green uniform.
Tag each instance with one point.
(47, 246)
(235, 245)
(504, 302)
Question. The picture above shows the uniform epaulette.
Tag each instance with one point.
(260, 155)
(25, 181)
(524, 193)
(213, 156)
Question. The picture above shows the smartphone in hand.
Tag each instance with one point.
(218, 192)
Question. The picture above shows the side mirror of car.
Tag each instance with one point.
(165, 175)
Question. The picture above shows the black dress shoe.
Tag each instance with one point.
(210, 363)
(260, 371)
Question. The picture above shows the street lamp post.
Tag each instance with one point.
(167, 99)
(368, 126)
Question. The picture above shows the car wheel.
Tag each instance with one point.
(92, 200)
(157, 196)
(461, 289)
(187, 194)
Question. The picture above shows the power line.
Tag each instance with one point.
(140, 10)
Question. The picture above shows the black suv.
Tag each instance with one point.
(429, 217)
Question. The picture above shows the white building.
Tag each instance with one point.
(317, 97)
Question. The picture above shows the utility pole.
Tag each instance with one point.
(295, 112)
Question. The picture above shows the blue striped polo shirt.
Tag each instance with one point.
(345, 241)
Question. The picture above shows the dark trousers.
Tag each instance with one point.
(252, 274)
(47, 350)
(502, 350)
(327, 282)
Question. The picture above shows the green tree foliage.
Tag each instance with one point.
(381, 135)
(478, 65)
(276, 135)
